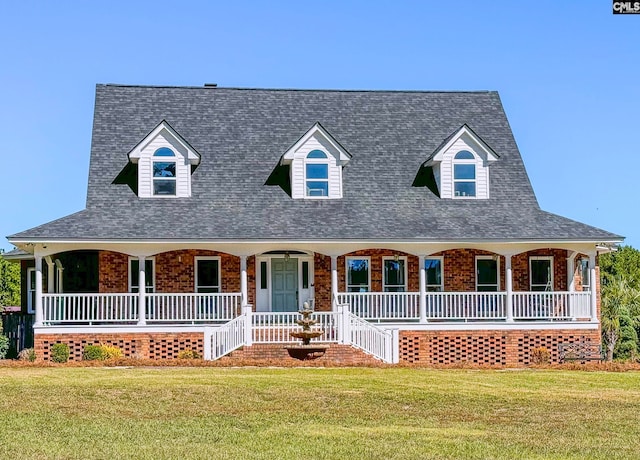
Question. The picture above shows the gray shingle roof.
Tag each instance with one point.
(241, 135)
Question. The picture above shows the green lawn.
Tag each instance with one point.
(305, 413)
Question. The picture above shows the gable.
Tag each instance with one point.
(164, 161)
(316, 161)
(461, 165)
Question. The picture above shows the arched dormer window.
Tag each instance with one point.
(464, 174)
(164, 173)
(317, 174)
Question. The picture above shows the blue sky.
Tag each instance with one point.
(568, 74)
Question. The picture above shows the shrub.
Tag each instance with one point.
(101, 352)
(28, 354)
(93, 353)
(111, 352)
(188, 354)
(540, 355)
(4, 346)
(59, 352)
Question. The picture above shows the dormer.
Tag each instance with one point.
(461, 165)
(316, 161)
(165, 162)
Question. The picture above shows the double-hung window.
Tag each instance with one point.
(164, 172)
(394, 277)
(358, 274)
(464, 174)
(487, 273)
(433, 269)
(317, 174)
(207, 274)
(149, 275)
(541, 273)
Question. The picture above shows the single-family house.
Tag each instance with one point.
(405, 219)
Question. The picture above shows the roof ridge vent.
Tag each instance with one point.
(210, 85)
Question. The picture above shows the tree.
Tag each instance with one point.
(620, 315)
(9, 283)
(623, 263)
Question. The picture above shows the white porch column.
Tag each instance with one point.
(50, 275)
(509, 281)
(243, 281)
(142, 292)
(593, 287)
(334, 282)
(422, 312)
(39, 311)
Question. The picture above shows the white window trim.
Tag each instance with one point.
(497, 268)
(153, 265)
(317, 161)
(346, 271)
(455, 162)
(195, 269)
(441, 285)
(31, 308)
(550, 259)
(406, 281)
(174, 160)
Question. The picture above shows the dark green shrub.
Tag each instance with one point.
(28, 354)
(188, 354)
(93, 353)
(59, 352)
(4, 346)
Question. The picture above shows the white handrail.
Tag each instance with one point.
(369, 338)
(89, 308)
(222, 340)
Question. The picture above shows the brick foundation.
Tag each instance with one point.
(138, 345)
(430, 348)
(494, 348)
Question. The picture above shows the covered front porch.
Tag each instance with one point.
(400, 284)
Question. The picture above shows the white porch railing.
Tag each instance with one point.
(466, 305)
(551, 305)
(275, 327)
(222, 340)
(272, 327)
(89, 308)
(377, 306)
(380, 343)
(93, 309)
(192, 308)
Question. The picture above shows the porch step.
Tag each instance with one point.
(336, 354)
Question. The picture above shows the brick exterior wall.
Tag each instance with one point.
(376, 268)
(175, 271)
(494, 348)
